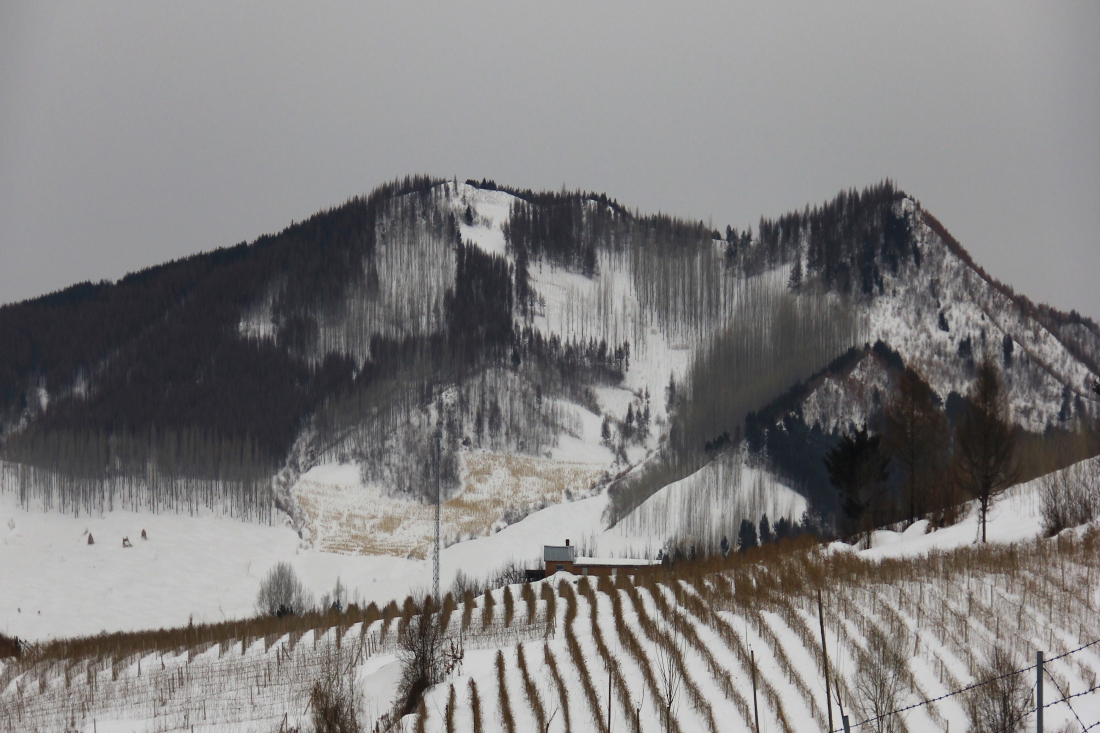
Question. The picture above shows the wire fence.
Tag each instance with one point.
(976, 685)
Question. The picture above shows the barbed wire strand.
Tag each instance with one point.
(1065, 699)
(976, 685)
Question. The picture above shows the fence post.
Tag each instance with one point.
(825, 660)
(755, 709)
(1039, 692)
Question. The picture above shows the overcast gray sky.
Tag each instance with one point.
(135, 133)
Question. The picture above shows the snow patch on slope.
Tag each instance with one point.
(710, 504)
(907, 317)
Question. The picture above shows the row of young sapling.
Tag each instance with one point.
(736, 639)
(201, 674)
(689, 647)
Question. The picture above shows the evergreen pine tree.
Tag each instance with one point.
(746, 535)
(765, 530)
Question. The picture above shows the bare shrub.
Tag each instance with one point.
(1069, 498)
(512, 572)
(527, 594)
(281, 593)
(468, 604)
(463, 583)
(550, 597)
(420, 649)
(1001, 704)
(881, 679)
(475, 707)
(509, 607)
(333, 699)
(506, 716)
(449, 715)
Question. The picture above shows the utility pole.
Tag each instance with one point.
(1038, 692)
(609, 699)
(825, 659)
(438, 511)
(844, 718)
(755, 709)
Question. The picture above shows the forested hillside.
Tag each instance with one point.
(433, 327)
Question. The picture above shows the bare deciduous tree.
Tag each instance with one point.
(667, 658)
(420, 649)
(1070, 497)
(334, 699)
(881, 681)
(281, 593)
(1001, 704)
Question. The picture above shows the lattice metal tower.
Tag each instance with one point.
(438, 513)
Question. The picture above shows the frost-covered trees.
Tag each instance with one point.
(281, 593)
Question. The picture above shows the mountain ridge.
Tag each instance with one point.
(368, 328)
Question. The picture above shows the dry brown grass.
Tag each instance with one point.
(448, 609)
(120, 645)
(697, 604)
(674, 654)
(601, 648)
(949, 607)
(421, 716)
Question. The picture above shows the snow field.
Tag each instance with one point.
(708, 505)
(946, 608)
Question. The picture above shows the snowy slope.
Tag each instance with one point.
(907, 317)
(945, 600)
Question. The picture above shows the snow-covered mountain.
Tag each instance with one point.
(521, 349)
